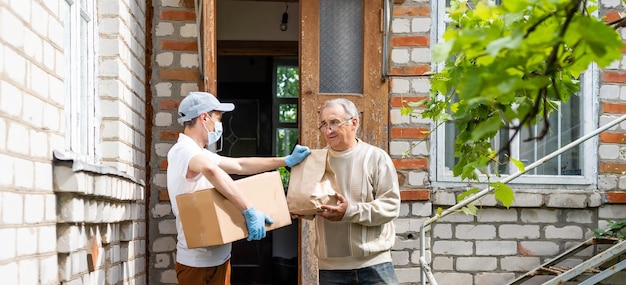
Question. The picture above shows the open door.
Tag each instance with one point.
(243, 70)
(341, 44)
(340, 55)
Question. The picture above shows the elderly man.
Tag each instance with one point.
(354, 238)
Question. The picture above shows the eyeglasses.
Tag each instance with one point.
(333, 124)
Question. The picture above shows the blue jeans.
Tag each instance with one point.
(379, 274)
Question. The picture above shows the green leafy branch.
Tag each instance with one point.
(509, 66)
(614, 230)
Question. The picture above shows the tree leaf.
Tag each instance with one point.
(503, 193)
(518, 164)
(509, 42)
(487, 128)
(470, 209)
(466, 194)
(603, 41)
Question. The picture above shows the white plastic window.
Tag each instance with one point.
(573, 119)
(81, 116)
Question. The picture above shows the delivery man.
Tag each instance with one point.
(192, 167)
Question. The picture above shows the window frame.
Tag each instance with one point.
(82, 117)
(589, 91)
(282, 62)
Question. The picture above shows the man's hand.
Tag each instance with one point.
(298, 155)
(335, 213)
(255, 220)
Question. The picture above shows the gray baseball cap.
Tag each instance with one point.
(196, 103)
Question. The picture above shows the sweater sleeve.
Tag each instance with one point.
(381, 201)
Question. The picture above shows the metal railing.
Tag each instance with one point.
(426, 272)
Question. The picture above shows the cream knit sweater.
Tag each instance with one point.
(367, 177)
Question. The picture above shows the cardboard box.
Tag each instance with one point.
(208, 218)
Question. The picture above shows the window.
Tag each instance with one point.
(572, 120)
(341, 46)
(81, 115)
(342, 55)
(286, 90)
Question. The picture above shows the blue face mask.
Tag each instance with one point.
(215, 135)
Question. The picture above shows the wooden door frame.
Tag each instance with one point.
(208, 39)
(373, 103)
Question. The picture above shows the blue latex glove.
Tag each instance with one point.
(255, 220)
(298, 155)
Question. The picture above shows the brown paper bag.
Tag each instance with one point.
(312, 184)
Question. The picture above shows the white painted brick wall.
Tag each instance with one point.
(453, 247)
(519, 231)
(12, 208)
(493, 278)
(188, 60)
(8, 238)
(163, 89)
(399, 26)
(163, 119)
(422, 209)
(573, 232)
(607, 182)
(122, 58)
(398, 148)
(609, 151)
(540, 248)
(539, 216)
(421, 55)
(608, 91)
(409, 243)
(611, 3)
(481, 264)
(163, 260)
(420, 85)
(164, 29)
(167, 227)
(417, 178)
(421, 25)
(453, 278)
(519, 263)
(35, 206)
(185, 88)
(164, 244)
(165, 58)
(496, 248)
(396, 118)
(32, 121)
(442, 231)
(400, 85)
(400, 56)
(580, 217)
(443, 263)
(475, 232)
(400, 258)
(168, 276)
(566, 200)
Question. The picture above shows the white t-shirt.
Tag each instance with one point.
(178, 161)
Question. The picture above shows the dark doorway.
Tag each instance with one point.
(251, 130)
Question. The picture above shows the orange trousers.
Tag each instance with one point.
(218, 275)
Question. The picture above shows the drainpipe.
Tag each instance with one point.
(198, 8)
(386, 29)
(426, 272)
